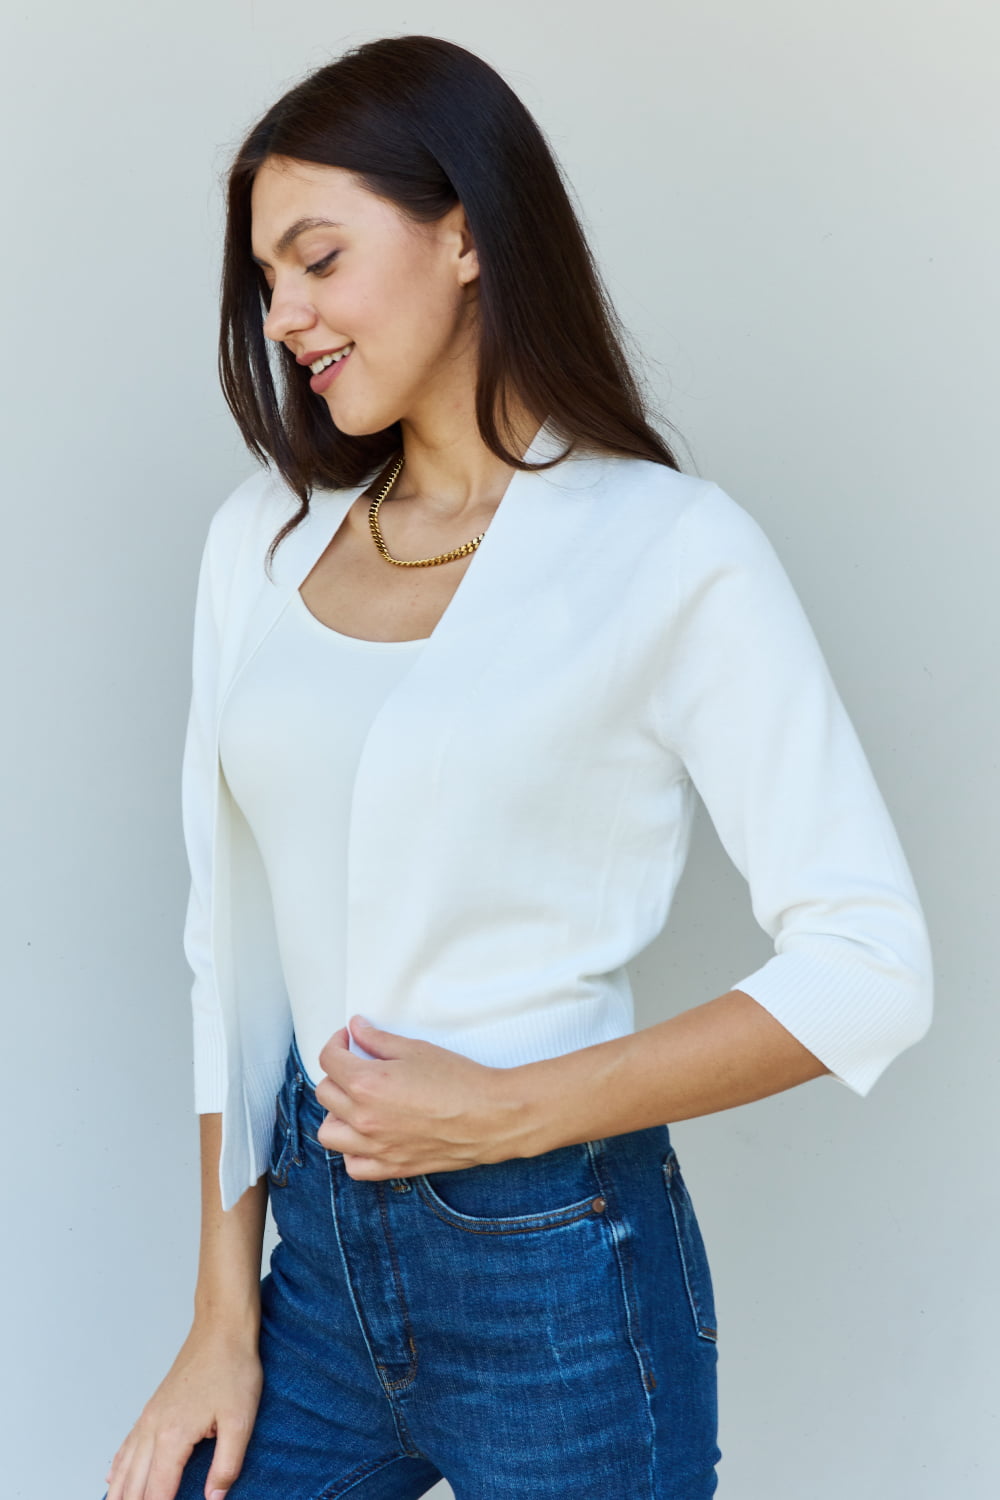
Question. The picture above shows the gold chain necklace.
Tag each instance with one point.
(415, 562)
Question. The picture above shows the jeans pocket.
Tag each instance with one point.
(691, 1250)
(518, 1196)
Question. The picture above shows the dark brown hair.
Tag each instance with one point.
(426, 124)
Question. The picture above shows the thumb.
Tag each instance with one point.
(377, 1043)
(227, 1461)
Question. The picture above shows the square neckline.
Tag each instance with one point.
(357, 640)
(543, 445)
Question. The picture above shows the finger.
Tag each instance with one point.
(370, 1169)
(340, 1039)
(334, 1098)
(336, 1058)
(134, 1486)
(230, 1450)
(377, 1043)
(166, 1468)
(338, 1043)
(338, 1135)
(117, 1466)
(115, 1477)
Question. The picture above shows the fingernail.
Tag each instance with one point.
(218, 1495)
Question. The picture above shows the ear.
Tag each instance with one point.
(467, 256)
(469, 266)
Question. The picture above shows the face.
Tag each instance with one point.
(402, 294)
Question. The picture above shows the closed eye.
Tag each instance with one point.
(320, 265)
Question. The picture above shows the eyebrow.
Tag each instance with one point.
(292, 233)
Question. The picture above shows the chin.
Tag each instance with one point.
(360, 425)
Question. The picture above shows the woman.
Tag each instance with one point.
(462, 659)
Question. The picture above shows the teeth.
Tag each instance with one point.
(329, 359)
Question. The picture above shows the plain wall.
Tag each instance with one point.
(796, 211)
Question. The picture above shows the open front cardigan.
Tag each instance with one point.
(624, 638)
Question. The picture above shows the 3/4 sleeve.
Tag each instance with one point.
(748, 704)
(198, 794)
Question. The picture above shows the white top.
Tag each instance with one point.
(623, 641)
(290, 741)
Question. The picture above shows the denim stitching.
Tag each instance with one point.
(363, 1471)
(349, 1280)
(277, 1171)
(625, 1272)
(623, 1254)
(669, 1166)
(277, 1166)
(294, 1123)
(502, 1226)
(398, 1280)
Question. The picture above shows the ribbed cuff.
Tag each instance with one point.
(855, 1017)
(209, 1063)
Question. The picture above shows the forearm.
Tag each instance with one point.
(726, 1052)
(227, 1295)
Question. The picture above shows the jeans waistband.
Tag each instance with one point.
(305, 1114)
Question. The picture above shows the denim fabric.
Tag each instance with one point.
(538, 1327)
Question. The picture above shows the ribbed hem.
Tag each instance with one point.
(209, 1063)
(856, 1018)
(529, 1036)
(260, 1086)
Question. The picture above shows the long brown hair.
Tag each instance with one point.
(426, 124)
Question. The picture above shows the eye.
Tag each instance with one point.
(320, 265)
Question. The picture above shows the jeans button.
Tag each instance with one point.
(598, 1205)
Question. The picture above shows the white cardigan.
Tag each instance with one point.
(624, 637)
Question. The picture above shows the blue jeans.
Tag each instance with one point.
(538, 1327)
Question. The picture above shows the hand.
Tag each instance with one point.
(211, 1390)
(413, 1107)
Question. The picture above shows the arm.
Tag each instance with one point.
(213, 1387)
(198, 779)
(746, 703)
(227, 1293)
(726, 1052)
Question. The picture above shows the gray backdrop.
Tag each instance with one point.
(796, 210)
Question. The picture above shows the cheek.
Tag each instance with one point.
(403, 317)
(412, 308)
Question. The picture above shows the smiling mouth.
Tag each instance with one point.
(330, 369)
(319, 365)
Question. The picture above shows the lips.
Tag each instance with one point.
(314, 354)
(319, 383)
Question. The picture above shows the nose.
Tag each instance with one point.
(287, 314)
